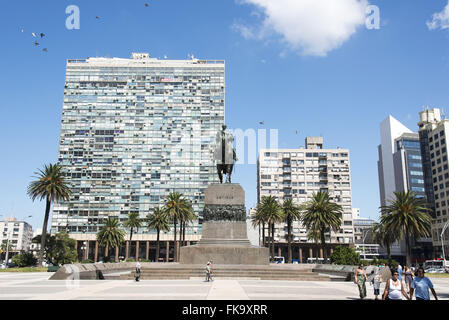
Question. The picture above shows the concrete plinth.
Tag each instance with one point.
(224, 238)
(200, 254)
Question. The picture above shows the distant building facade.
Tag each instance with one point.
(433, 131)
(298, 173)
(19, 234)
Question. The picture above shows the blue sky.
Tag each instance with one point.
(342, 95)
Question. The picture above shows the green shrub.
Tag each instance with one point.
(345, 256)
(130, 260)
(24, 259)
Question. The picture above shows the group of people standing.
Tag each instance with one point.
(398, 283)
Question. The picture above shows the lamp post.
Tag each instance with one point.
(442, 241)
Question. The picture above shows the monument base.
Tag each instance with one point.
(201, 254)
(224, 238)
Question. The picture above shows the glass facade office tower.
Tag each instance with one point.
(298, 173)
(134, 130)
(408, 164)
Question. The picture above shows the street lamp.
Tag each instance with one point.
(442, 241)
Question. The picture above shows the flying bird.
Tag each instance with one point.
(262, 122)
(45, 50)
(97, 17)
(147, 5)
(22, 30)
(296, 131)
(36, 43)
(33, 34)
(42, 35)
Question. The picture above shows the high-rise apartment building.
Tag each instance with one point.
(433, 131)
(299, 173)
(134, 130)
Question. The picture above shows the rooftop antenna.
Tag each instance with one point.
(443, 114)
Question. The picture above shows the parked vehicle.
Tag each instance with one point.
(279, 260)
(436, 266)
(320, 260)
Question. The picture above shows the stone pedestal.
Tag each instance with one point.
(224, 238)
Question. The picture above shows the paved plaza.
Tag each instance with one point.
(32, 286)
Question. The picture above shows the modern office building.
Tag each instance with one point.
(433, 131)
(299, 173)
(401, 170)
(18, 233)
(390, 130)
(133, 131)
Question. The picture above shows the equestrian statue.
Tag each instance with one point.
(224, 154)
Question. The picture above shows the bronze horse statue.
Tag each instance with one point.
(226, 169)
(224, 154)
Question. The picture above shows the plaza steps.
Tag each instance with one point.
(269, 272)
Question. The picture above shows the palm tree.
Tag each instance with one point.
(314, 235)
(133, 221)
(406, 216)
(159, 221)
(291, 213)
(384, 238)
(323, 215)
(258, 219)
(50, 185)
(272, 211)
(111, 235)
(176, 206)
(187, 216)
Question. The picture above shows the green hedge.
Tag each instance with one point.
(345, 256)
(24, 259)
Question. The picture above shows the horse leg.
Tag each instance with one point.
(228, 172)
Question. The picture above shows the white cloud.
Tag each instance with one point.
(245, 31)
(440, 19)
(311, 27)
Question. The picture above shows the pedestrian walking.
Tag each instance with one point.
(408, 277)
(376, 283)
(208, 272)
(421, 285)
(360, 280)
(394, 288)
(400, 272)
(211, 270)
(138, 271)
